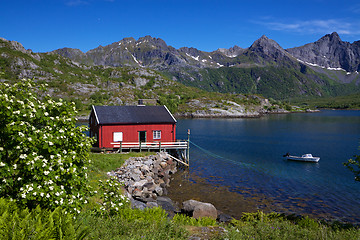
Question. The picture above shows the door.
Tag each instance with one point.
(142, 136)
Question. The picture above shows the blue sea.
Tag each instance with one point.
(246, 156)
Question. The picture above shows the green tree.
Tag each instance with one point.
(43, 154)
(354, 166)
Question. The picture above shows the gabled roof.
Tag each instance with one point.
(132, 114)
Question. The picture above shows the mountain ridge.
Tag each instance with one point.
(262, 68)
(336, 50)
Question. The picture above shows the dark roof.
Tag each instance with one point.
(132, 114)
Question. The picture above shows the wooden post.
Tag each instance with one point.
(120, 147)
(159, 146)
(140, 145)
(188, 147)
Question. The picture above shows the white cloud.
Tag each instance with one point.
(318, 26)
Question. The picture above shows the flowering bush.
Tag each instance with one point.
(43, 154)
(112, 198)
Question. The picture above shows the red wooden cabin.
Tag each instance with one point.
(115, 125)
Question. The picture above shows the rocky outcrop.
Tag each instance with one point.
(330, 52)
(201, 108)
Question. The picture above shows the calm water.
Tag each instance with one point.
(246, 157)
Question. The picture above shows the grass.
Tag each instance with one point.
(273, 226)
(340, 102)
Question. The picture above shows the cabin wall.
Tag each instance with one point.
(131, 133)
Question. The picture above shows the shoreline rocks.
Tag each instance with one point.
(145, 181)
(146, 178)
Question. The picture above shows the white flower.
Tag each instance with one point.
(51, 143)
(21, 134)
(51, 188)
(46, 172)
(15, 166)
(1, 149)
(23, 195)
(23, 156)
(47, 195)
(46, 113)
(2, 164)
(41, 194)
(19, 178)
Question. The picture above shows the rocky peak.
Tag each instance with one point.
(333, 37)
(329, 52)
(16, 46)
(266, 44)
(69, 52)
(265, 49)
(156, 42)
(231, 52)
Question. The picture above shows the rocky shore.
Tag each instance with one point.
(145, 181)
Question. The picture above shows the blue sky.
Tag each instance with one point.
(46, 25)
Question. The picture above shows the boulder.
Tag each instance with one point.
(198, 209)
(205, 210)
(189, 205)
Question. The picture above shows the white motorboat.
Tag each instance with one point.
(304, 158)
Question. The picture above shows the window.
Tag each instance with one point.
(118, 136)
(157, 134)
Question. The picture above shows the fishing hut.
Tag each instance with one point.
(136, 128)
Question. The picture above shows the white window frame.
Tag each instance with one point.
(117, 136)
(156, 134)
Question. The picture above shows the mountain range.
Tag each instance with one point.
(327, 67)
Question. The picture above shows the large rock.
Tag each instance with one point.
(189, 205)
(198, 209)
(205, 210)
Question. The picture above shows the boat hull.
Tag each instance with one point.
(303, 159)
